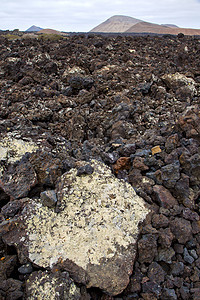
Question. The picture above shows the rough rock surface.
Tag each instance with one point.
(132, 104)
(45, 285)
(95, 229)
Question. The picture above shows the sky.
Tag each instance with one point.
(82, 16)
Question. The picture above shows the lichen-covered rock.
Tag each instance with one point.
(51, 286)
(93, 234)
(180, 81)
(17, 176)
(12, 149)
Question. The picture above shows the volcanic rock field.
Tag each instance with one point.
(100, 167)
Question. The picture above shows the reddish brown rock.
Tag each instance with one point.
(159, 220)
(164, 197)
(138, 163)
(181, 229)
(165, 237)
(123, 163)
(47, 167)
(147, 248)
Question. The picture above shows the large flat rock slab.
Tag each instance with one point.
(92, 235)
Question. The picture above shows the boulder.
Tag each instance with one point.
(92, 234)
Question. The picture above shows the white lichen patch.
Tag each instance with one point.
(12, 149)
(178, 80)
(100, 214)
(45, 285)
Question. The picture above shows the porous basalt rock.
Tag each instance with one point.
(52, 286)
(93, 233)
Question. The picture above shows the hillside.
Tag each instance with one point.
(116, 24)
(159, 29)
(125, 24)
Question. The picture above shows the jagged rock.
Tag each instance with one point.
(166, 255)
(187, 257)
(18, 179)
(93, 234)
(47, 167)
(165, 237)
(189, 121)
(46, 285)
(13, 207)
(181, 229)
(169, 294)
(180, 81)
(49, 198)
(11, 289)
(170, 174)
(159, 220)
(147, 248)
(177, 268)
(7, 265)
(164, 197)
(156, 273)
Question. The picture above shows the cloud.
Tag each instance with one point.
(79, 15)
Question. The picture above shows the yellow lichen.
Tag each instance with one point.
(12, 149)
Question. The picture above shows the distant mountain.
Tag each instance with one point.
(50, 31)
(34, 28)
(116, 24)
(145, 27)
(124, 24)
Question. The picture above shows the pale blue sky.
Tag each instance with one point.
(77, 15)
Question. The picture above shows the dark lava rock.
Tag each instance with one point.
(170, 174)
(177, 268)
(49, 198)
(152, 287)
(11, 289)
(116, 99)
(164, 197)
(165, 237)
(169, 294)
(13, 207)
(159, 221)
(165, 255)
(156, 273)
(187, 257)
(25, 269)
(47, 167)
(147, 248)
(18, 179)
(7, 265)
(181, 229)
(85, 170)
